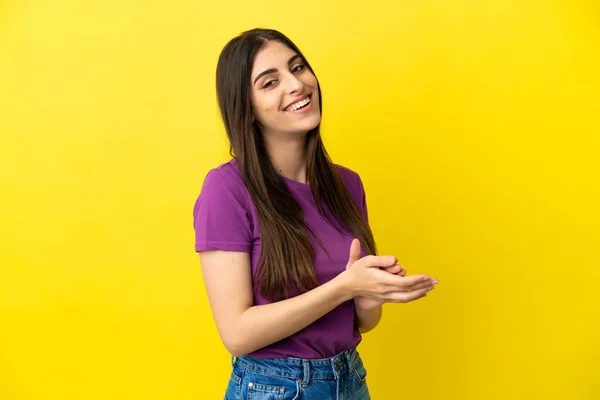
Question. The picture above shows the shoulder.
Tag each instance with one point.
(222, 212)
(354, 185)
(225, 181)
(350, 178)
(226, 175)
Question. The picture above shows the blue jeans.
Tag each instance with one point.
(342, 377)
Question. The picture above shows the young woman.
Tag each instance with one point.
(286, 251)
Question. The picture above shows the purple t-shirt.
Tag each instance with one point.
(225, 219)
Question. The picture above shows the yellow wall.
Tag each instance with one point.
(475, 127)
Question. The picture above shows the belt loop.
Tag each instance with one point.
(348, 360)
(353, 358)
(306, 365)
(233, 361)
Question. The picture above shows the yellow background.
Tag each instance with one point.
(474, 125)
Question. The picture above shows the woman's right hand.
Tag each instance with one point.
(367, 277)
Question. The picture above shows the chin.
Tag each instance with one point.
(313, 123)
(304, 127)
(299, 127)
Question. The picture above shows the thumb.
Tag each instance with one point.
(354, 252)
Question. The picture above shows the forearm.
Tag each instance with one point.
(367, 319)
(262, 325)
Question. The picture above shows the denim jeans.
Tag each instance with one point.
(342, 377)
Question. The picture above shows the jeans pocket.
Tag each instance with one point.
(268, 387)
(234, 387)
(360, 372)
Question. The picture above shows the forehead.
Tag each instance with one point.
(272, 55)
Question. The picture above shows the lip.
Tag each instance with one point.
(297, 100)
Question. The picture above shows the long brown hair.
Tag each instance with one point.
(286, 254)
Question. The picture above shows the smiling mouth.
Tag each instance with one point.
(299, 104)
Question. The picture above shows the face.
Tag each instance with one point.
(285, 94)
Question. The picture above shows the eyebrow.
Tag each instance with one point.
(270, 71)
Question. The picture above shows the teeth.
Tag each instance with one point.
(299, 104)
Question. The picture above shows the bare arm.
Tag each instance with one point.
(244, 327)
(367, 319)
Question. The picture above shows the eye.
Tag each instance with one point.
(269, 83)
(298, 68)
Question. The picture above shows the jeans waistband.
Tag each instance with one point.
(302, 369)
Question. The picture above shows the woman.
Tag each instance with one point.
(283, 236)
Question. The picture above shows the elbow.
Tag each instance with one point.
(235, 351)
(238, 338)
(368, 320)
(235, 345)
(365, 329)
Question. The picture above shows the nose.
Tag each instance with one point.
(294, 84)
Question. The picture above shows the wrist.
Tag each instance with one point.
(345, 286)
(360, 308)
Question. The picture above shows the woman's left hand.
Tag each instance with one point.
(366, 303)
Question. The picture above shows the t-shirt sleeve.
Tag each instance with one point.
(221, 218)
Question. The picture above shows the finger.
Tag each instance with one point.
(402, 282)
(424, 284)
(394, 269)
(354, 252)
(379, 261)
(406, 297)
(419, 286)
(387, 289)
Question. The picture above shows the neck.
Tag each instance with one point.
(288, 156)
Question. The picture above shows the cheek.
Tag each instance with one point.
(258, 108)
(267, 107)
(265, 110)
(311, 81)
